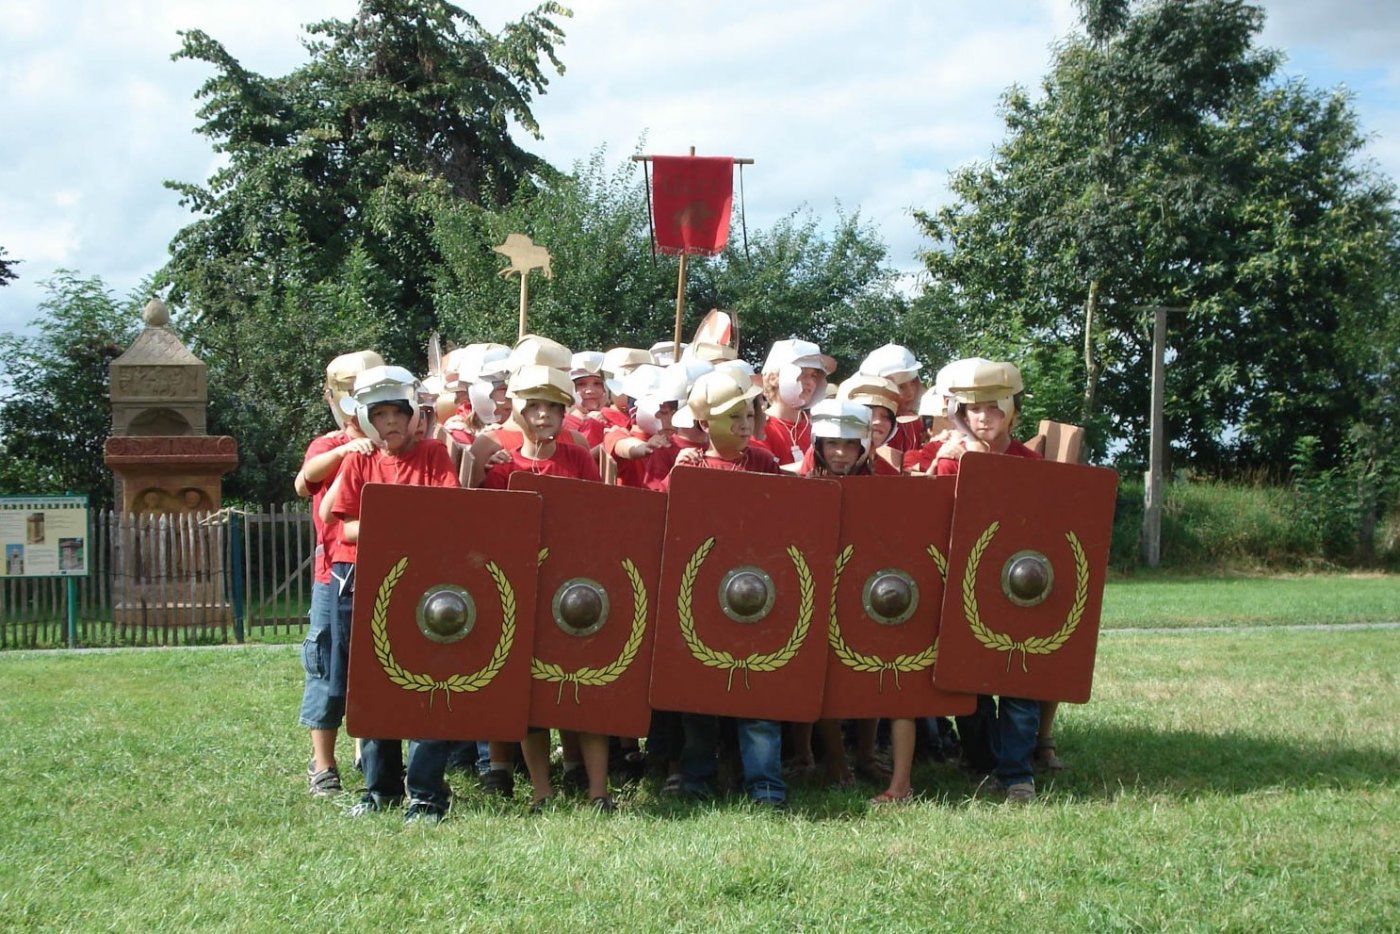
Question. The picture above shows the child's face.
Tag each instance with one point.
(543, 419)
(840, 454)
(809, 379)
(591, 393)
(909, 392)
(731, 433)
(498, 396)
(391, 422)
(881, 425)
(987, 421)
(664, 413)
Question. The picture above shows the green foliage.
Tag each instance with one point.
(7, 268)
(317, 234)
(54, 414)
(1163, 164)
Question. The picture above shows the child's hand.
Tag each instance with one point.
(690, 457)
(357, 446)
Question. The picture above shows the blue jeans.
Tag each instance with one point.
(426, 775)
(340, 629)
(760, 749)
(1017, 723)
(322, 706)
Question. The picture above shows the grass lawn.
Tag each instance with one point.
(1220, 781)
(1159, 601)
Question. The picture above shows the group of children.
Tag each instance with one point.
(630, 416)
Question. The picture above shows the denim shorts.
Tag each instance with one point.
(322, 701)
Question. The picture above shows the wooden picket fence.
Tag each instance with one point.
(174, 579)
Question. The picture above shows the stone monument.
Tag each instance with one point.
(160, 450)
(168, 472)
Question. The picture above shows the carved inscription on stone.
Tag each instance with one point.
(159, 382)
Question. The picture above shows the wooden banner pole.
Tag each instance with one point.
(524, 301)
(680, 312)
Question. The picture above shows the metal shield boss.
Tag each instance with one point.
(883, 623)
(745, 585)
(595, 607)
(1026, 569)
(444, 613)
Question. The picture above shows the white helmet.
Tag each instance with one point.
(664, 351)
(382, 384)
(893, 362)
(788, 358)
(836, 418)
(676, 383)
(620, 361)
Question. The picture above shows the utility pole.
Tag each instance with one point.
(1153, 479)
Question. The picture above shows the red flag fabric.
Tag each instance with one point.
(691, 200)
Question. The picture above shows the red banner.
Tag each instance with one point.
(691, 201)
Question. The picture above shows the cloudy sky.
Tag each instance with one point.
(844, 105)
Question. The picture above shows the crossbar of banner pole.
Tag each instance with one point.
(737, 160)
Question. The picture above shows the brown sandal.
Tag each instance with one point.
(1045, 755)
(886, 797)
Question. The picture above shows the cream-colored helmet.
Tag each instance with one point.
(545, 383)
(720, 393)
(973, 381)
(533, 349)
(787, 359)
(340, 379)
(619, 362)
(866, 389)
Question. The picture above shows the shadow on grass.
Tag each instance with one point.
(1109, 761)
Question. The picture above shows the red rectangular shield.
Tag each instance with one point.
(1026, 571)
(745, 581)
(888, 592)
(595, 613)
(444, 614)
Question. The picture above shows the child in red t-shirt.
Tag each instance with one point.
(794, 379)
(540, 397)
(722, 404)
(985, 404)
(385, 405)
(323, 698)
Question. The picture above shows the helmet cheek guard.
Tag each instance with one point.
(483, 406)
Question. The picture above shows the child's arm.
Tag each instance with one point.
(324, 464)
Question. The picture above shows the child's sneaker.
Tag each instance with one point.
(372, 803)
(423, 811)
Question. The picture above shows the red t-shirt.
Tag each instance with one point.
(947, 467)
(427, 463)
(568, 460)
(591, 428)
(511, 438)
(905, 436)
(325, 533)
(922, 459)
(617, 418)
(781, 436)
(750, 460)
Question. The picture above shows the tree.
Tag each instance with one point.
(7, 268)
(55, 415)
(1163, 164)
(317, 233)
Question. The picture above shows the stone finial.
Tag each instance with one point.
(155, 314)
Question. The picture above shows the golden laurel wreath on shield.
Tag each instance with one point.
(600, 677)
(857, 661)
(456, 684)
(718, 658)
(1035, 645)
